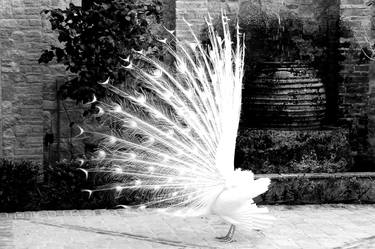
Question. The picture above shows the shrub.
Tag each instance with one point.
(18, 186)
(275, 151)
(94, 42)
(24, 188)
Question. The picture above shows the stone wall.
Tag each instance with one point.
(356, 92)
(351, 99)
(30, 111)
(29, 108)
(26, 87)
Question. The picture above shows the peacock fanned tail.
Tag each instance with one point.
(173, 142)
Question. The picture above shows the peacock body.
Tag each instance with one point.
(175, 141)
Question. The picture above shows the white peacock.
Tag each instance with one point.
(175, 144)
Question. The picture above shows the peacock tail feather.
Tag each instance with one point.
(174, 141)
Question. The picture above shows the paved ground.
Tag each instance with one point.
(316, 227)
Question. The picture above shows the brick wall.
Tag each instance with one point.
(24, 83)
(355, 86)
(29, 106)
(357, 95)
(194, 12)
(351, 100)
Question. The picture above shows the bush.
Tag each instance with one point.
(95, 41)
(276, 151)
(24, 188)
(19, 188)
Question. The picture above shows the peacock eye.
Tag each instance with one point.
(141, 99)
(157, 187)
(157, 73)
(170, 132)
(132, 155)
(117, 108)
(165, 158)
(118, 170)
(119, 188)
(133, 124)
(112, 140)
(150, 141)
(101, 154)
(138, 182)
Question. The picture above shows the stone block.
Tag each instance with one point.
(29, 130)
(33, 11)
(18, 12)
(7, 93)
(10, 121)
(32, 99)
(30, 3)
(31, 114)
(8, 134)
(45, 3)
(8, 24)
(8, 152)
(18, 36)
(49, 104)
(50, 97)
(31, 88)
(16, 3)
(7, 107)
(30, 151)
(11, 67)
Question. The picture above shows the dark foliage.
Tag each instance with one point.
(280, 36)
(277, 151)
(94, 41)
(304, 189)
(24, 188)
(18, 186)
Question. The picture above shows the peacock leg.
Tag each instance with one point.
(229, 236)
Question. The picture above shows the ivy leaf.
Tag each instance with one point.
(46, 56)
(94, 39)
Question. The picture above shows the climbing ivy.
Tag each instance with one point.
(95, 40)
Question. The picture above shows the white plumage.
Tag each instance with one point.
(175, 142)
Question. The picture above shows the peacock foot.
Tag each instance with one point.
(229, 237)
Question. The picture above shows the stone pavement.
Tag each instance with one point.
(315, 227)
